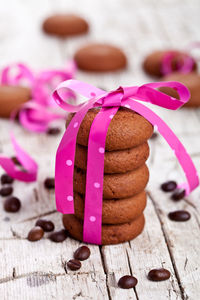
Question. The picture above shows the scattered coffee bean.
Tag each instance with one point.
(35, 234)
(49, 183)
(53, 131)
(168, 186)
(6, 191)
(46, 225)
(16, 161)
(127, 282)
(74, 264)
(179, 215)
(154, 136)
(82, 253)
(12, 204)
(178, 195)
(58, 236)
(6, 179)
(159, 274)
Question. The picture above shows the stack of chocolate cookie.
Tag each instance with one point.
(125, 177)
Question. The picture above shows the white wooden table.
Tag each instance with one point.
(37, 270)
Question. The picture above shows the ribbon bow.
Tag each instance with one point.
(131, 98)
(36, 114)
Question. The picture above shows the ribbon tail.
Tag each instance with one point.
(183, 157)
(64, 168)
(94, 178)
(31, 167)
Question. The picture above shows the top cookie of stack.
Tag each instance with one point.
(126, 141)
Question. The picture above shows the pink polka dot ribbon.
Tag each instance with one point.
(130, 97)
(36, 114)
(184, 62)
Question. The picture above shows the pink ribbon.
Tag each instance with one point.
(129, 97)
(36, 114)
(185, 62)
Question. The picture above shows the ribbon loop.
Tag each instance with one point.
(81, 88)
(148, 93)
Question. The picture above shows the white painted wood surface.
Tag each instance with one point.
(37, 270)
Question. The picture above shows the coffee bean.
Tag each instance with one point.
(179, 215)
(35, 234)
(127, 282)
(154, 136)
(53, 131)
(169, 186)
(82, 253)
(16, 161)
(6, 191)
(6, 179)
(46, 225)
(58, 236)
(12, 204)
(159, 274)
(74, 264)
(49, 183)
(178, 195)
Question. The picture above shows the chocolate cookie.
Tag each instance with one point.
(120, 161)
(116, 185)
(115, 211)
(11, 97)
(111, 234)
(100, 58)
(65, 25)
(191, 81)
(153, 62)
(127, 129)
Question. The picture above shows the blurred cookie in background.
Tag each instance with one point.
(11, 98)
(155, 63)
(191, 81)
(65, 25)
(100, 58)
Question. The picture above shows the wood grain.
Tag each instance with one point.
(38, 270)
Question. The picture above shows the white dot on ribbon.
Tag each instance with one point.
(92, 219)
(101, 150)
(127, 105)
(97, 185)
(75, 124)
(111, 116)
(155, 127)
(69, 162)
(70, 198)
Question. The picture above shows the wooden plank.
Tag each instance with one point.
(39, 286)
(178, 235)
(138, 257)
(183, 248)
(116, 265)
